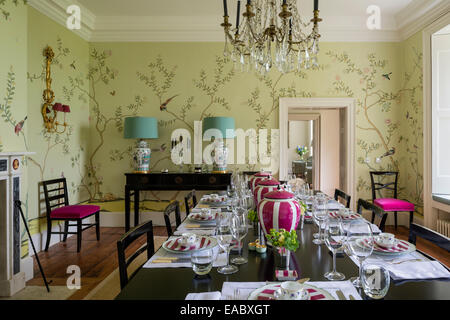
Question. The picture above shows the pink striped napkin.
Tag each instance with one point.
(175, 244)
(401, 246)
(336, 215)
(269, 294)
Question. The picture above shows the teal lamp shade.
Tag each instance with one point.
(220, 123)
(141, 128)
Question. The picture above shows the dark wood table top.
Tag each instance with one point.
(309, 260)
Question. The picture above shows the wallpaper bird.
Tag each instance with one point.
(19, 126)
(164, 105)
(387, 75)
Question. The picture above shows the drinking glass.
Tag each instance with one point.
(231, 190)
(375, 280)
(202, 261)
(334, 239)
(239, 229)
(359, 244)
(224, 239)
(320, 214)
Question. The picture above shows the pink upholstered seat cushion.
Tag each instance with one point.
(74, 212)
(390, 204)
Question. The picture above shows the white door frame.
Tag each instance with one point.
(306, 104)
(430, 215)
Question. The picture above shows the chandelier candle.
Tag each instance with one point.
(238, 16)
(225, 8)
(316, 5)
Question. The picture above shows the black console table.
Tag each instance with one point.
(168, 181)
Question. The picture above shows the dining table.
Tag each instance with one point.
(309, 260)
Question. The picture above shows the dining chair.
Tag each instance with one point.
(190, 204)
(389, 204)
(125, 241)
(175, 208)
(434, 237)
(338, 194)
(376, 211)
(58, 209)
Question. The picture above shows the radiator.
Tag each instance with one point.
(443, 227)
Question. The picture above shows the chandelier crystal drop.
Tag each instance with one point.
(272, 33)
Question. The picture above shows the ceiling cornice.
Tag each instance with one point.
(419, 14)
(56, 10)
(187, 29)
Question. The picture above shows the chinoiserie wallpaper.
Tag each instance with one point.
(179, 83)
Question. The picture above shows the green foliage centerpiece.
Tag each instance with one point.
(284, 242)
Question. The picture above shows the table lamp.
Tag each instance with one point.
(226, 126)
(141, 128)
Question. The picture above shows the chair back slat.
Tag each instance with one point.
(190, 204)
(125, 241)
(175, 208)
(339, 194)
(363, 204)
(438, 239)
(381, 184)
(55, 190)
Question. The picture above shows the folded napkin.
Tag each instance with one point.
(332, 205)
(332, 287)
(165, 259)
(200, 232)
(412, 270)
(215, 295)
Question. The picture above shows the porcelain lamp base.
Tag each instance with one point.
(141, 158)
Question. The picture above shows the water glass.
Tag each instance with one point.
(224, 239)
(359, 244)
(334, 239)
(239, 229)
(320, 215)
(375, 280)
(202, 261)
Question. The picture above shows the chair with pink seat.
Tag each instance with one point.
(58, 209)
(388, 180)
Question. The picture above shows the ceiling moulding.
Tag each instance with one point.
(189, 29)
(419, 14)
(56, 10)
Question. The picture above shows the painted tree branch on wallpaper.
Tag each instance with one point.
(381, 101)
(5, 12)
(99, 74)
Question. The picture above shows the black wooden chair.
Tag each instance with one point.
(438, 239)
(175, 208)
(190, 204)
(125, 241)
(58, 209)
(376, 211)
(338, 194)
(391, 204)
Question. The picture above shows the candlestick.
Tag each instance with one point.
(238, 15)
(316, 5)
(225, 8)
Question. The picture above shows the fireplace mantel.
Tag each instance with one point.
(12, 277)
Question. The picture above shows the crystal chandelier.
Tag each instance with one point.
(272, 33)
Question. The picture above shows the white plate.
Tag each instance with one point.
(275, 286)
(211, 243)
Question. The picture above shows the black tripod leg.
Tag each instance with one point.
(18, 205)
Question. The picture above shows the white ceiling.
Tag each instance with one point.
(199, 20)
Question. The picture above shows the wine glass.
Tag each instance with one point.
(224, 239)
(359, 244)
(239, 229)
(320, 214)
(334, 239)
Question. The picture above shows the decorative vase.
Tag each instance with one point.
(279, 210)
(258, 177)
(141, 157)
(221, 157)
(282, 258)
(263, 187)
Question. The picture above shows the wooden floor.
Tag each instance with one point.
(98, 259)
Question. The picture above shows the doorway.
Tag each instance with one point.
(330, 121)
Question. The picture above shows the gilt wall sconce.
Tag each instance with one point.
(50, 110)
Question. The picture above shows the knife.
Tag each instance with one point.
(340, 295)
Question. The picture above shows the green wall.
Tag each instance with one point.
(105, 82)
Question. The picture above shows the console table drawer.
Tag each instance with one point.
(178, 180)
(213, 179)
